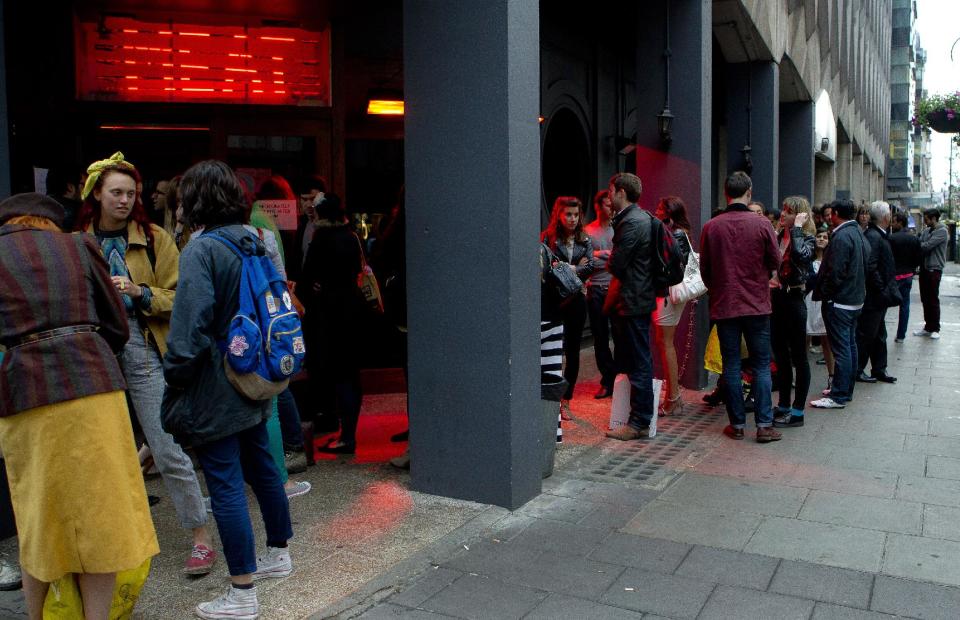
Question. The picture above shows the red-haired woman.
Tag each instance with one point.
(567, 240)
(143, 261)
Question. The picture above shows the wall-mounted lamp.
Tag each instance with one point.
(665, 118)
(824, 144)
(747, 159)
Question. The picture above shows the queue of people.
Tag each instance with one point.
(795, 280)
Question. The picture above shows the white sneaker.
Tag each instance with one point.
(921, 332)
(276, 564)
(297, 488)
(10, 577)
(827, 403)
(236, 604)
(935, 335)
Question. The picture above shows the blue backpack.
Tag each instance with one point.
(264, 346)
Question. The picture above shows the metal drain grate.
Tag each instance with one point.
(654, 462)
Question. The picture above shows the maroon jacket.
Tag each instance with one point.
(738, 250)
(50, 280)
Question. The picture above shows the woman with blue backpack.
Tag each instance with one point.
(204, 408)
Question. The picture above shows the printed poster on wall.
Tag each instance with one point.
(284, 212)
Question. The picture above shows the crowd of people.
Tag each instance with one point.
(130, 315)
(794, 281)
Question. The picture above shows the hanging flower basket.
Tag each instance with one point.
(940, 113)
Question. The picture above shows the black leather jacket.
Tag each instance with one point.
(631, 292)
(580, 251)
(796, 270)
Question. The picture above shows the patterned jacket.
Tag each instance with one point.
(51, 280)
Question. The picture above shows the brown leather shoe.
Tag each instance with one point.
(626, 433)
(766, 435)
(733, 433)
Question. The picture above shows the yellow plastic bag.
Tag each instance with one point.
(63, 598)
(711, 357)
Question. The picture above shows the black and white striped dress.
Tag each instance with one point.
(551, 357)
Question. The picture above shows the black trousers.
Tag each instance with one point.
(788, 335)
(574, 316)
(872, 340)
(600, 326)
(930, 298)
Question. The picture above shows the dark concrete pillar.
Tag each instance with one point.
(684, 167)
(472, 142)
(754, 87)
(796, 175)
(4, 114)
(844, 170)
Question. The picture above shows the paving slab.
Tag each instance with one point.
(859, 511)
(558, 508)
(878, 460)
(768, 469)
(555, 572)
(699, 526)
(933, 446)
(915, 599)
(870, 439)
(600, 492)
(946, 428)
(727, 495)
(943, 467)
(729, 567)
(547, 535)
(482, 598)
(823, 583)
(391, 612)
(929, 559)
(562, 606)
(662, 556)
(896, 422)
(852, 482)
(821, 543)
(941, 522)
(935, 412)
(426, 586)
(929, 490)
(667, 595)
(728, 602)
(609, 517)
(827, 611)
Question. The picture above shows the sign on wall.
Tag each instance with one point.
(283, 212)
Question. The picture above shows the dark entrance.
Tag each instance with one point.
(566, 161)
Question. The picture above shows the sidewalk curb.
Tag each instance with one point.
(409, 570)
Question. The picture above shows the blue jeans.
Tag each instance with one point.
(755, 330)
(631, 337)
(842, 332)
(227, 463)
(905, 285)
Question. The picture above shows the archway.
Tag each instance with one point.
(566, 161)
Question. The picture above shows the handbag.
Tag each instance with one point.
(367, 282)
(561, 277)
(692, 286)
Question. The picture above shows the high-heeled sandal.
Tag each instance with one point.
(826, 392)
(671, 406)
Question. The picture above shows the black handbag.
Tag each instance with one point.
(561, 277)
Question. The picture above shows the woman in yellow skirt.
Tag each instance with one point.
(65, 433)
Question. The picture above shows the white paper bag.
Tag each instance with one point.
(620, 406)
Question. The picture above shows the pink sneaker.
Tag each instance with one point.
(201, 560)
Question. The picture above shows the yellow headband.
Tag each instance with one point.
(95, 169)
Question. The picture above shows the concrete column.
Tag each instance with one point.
(471, 134)
(796, 175)
(856, 178)
(844, 166)
(682, 168)
(867, 193)
(755, 85)
(877, 185)
(4, 119)
(824, 181)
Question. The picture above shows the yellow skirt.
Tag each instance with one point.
(76, 488)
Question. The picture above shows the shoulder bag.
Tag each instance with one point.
(692, 286)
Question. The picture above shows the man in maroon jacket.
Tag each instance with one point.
(738, 251)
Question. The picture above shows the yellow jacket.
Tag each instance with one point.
(161, 278)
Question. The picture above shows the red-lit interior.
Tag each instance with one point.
(123, 59)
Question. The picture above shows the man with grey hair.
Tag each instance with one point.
(882, 293)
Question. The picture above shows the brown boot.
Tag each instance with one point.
(766, 435)
(626, 433)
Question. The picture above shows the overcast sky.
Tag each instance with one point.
(938, 23)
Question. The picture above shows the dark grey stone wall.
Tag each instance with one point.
(4, 118)
(753, 108)
(796, 149)
(472, 186)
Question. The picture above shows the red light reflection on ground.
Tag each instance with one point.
(377, 512)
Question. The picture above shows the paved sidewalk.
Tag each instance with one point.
(856, 515)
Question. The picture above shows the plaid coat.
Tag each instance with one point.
(50, 280)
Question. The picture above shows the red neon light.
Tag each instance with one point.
(152, 128)
(227, 65)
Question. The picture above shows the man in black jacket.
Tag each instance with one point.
(631, 299)
(907, 256)
(882, 292)
(841, 285)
